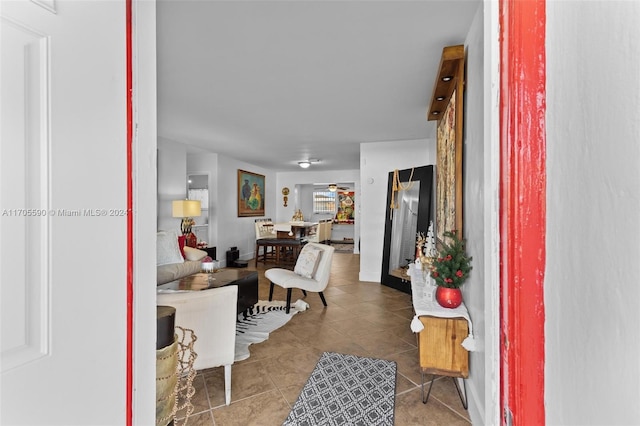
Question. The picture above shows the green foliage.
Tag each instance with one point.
(451, 267)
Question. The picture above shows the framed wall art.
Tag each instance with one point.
(346, 208)
(251, 194)
(447, 108)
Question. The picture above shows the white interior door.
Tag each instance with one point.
(63, 220)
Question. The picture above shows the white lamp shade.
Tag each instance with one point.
(186, 208)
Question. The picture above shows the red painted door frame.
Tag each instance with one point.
(129, 148)
(523, 209)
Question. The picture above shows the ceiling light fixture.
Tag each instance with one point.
(305, 164)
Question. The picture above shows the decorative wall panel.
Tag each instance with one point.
(24, 195)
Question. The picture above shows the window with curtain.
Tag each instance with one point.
(324, 202)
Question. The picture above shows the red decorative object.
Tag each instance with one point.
(449, 297)
(192, 240)
(181, 242)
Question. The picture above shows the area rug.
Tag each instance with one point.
(342, 248)
(265, 317)
(347, 390)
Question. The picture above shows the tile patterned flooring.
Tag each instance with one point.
(361, 318)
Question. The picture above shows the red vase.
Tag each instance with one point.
(191, 240)
(449, 297)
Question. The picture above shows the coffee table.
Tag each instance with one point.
(247, 282)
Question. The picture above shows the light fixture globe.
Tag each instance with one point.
(304, 164)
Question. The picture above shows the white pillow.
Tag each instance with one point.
(307, 262)
(191, 253)
(167, 248)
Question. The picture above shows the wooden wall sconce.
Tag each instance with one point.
(447, 106)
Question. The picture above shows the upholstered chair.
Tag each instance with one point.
(310, 273)
(211, 314)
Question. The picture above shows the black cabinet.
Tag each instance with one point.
(211, 252)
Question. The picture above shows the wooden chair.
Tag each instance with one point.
(264, 236)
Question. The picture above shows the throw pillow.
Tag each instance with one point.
(307, 262)
(181, 241)
(191, 253)
(167, 248)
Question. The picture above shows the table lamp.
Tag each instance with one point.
(187, 210)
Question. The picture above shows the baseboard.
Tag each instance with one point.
(476, 407)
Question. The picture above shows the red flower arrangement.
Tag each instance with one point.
(451, 267)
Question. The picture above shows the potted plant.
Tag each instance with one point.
(450, 269)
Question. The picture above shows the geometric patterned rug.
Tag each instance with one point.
(347, 390)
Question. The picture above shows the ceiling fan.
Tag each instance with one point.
(333, 187)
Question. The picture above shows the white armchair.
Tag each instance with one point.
(211, 314)
(305, 276)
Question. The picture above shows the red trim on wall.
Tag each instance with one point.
(523, 208)
(129, 143)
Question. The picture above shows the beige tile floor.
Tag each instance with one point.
(361, 318)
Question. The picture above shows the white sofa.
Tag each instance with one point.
(176, 271)
(171, 263)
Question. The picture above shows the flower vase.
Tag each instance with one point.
(449, 297)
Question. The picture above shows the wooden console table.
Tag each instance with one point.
(440, 342)
(441, 352)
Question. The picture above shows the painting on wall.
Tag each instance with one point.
(346, 208)
(446, 172)
(251, 192)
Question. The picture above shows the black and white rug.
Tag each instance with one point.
(266, 317)
(347, 390)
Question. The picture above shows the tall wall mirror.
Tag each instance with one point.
(411, 213)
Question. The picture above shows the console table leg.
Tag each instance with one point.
(433, 378)
(460, 392)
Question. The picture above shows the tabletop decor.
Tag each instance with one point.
(425, 248)
(450, 270)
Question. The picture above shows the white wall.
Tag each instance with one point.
(592, 372)
(376, 161)
(480, 221)
(145, 203)
(172, 182)
(233, 230)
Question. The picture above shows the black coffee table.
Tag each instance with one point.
(247, 282)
